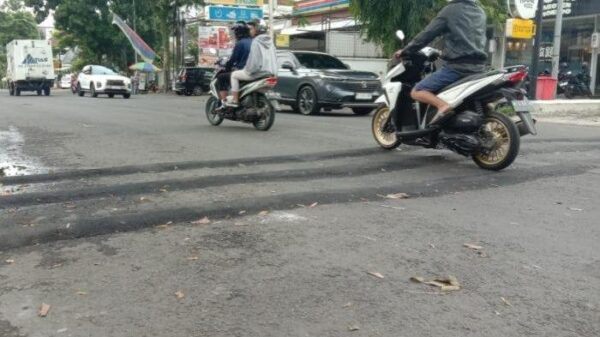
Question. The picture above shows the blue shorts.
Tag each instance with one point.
(439, 80)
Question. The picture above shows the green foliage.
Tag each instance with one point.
(14, 24)
(381, 18)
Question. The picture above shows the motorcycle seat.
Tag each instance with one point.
(470, 78)
(257, 77)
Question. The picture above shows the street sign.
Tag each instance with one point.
(236, 2)
(224, 13)
(520, 29)
(524, 9)
(282, 41)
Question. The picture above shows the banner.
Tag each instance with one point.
(214, 37)
(236, 2)
(136, 41)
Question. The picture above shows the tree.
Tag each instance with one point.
(380, 21)
(14, 24)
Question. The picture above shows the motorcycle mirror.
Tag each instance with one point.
(400, 35)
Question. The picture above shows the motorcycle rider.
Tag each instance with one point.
(462, 24)
(262, 60)
(238, 58)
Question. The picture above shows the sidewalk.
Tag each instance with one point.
(577, 111)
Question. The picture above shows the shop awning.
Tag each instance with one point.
(297, 30)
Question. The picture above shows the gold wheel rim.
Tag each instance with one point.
(382, 137)
(501, 136)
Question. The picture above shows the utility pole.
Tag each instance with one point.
(535, 58)
(134, 28)
(271, 14)
(557, 33)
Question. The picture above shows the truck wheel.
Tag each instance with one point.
(47, 91)
(126, 96)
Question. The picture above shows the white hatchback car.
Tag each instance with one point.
(100, 80)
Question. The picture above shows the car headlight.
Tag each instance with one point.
(330, 77)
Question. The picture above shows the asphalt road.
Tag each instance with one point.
(102, 216)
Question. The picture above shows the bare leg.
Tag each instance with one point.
(236, 97)
(431, 99)
(223, 95)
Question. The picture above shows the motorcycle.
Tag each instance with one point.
(254, 107)
(476, 129)
(573, 85)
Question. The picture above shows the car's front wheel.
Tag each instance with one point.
(126, 96)
(93, 90)
(307, 102)
(80, 91)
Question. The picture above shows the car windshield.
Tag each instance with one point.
(99, 70)
(319, 61)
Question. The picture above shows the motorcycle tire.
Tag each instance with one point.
(503, 155)
(383, 132)
(213, 117)
(267, 120)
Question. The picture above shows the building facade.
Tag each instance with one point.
(581, 19)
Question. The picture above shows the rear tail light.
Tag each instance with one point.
(517, 77)
(271, 81)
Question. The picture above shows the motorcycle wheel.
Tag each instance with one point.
(505, 135)
(383, 132)
(213, 117)
(266, 112)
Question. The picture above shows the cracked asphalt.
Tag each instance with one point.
(111, 207)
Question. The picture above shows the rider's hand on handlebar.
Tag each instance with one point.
(398, 54)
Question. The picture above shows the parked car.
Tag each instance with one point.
(101, 80)
(310, 81)
(193, 81)
(65, 81)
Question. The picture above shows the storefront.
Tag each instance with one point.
(581, 19)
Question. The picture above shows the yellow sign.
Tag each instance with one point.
(236, 2)
(520, 29)
(282, 41)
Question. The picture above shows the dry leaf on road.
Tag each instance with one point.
(397, 196)
(180, 295)
(505, 301)
(445, 284)
(313, 205)
(263, 213)
(81, 293)
(242, 212)
(353, 328)
(144, 199)
(203, 221)
(10, 261)
(472, 246)
(163, 190)
(192, 258)
(378, 275)
(44, 309)
(575, 209)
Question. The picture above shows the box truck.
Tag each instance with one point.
(30, 66)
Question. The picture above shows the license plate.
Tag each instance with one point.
(113, 87)
(364, 96)
(522, 106)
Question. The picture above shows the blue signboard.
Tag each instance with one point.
(225, 13)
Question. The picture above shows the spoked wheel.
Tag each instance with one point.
(501, 142)
(211, 114)
(307, 102)
(266, 114)
(383, 130)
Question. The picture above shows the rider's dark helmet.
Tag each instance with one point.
(240, 30)
(259, 26)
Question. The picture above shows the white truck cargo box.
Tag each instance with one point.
(30, 66)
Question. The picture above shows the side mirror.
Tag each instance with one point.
(288, 66)
(400, 35)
